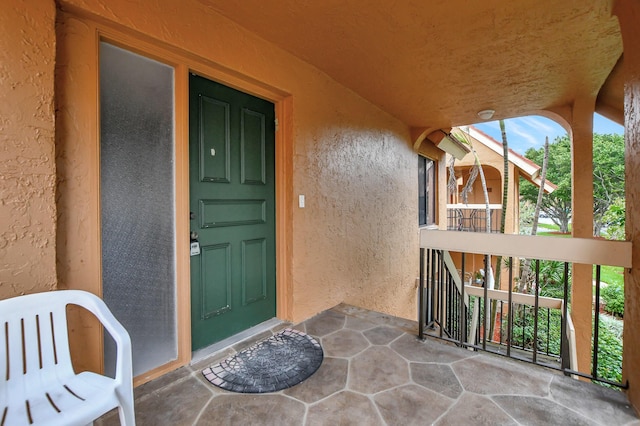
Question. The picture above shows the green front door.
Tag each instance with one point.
(232, 203)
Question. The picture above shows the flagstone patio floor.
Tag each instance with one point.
(376, 372)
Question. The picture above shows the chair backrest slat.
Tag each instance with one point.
(58, 323)
(31, 344)
(47, 349)
(14, 354)
(4, 367)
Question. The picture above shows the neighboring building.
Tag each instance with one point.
(470, 216)
(314, 125)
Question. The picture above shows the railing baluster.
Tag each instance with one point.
(479, 323)
(596, 325)
(432, 294)
(422, 317)
(454, 311)
(441, 295)
(484, 322)
(454, 308)
(536, 312)
(501, 311)
(524, 324)
(462, 316)
(548, 326)
(564, 345)
(451, 317)
(444, 282)
(510, 319)
(449, 299)
(446, 297)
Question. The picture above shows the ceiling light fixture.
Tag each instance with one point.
(486, 114)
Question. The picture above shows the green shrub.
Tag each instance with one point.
(549, 329)
(613, 298)
(610, 349)
(551, 278)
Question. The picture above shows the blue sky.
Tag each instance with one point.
(527, 132)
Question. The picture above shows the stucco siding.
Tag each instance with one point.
(356, 239)
(27, 163)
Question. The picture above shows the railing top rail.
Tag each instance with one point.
(576, 250)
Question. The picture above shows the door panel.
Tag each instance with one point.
(253, 147)
(232, 199)
(214, 135)
(215, 269)
(216, 213)
(254, 270)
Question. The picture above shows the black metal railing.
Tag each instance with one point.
(443, 302)
(531, 324)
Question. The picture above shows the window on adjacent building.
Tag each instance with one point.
(426, 191)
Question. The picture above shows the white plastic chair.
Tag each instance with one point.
(37, 383)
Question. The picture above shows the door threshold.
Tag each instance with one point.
(200, 354)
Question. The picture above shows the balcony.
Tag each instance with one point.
(376, 372)
(473, 217)
(513, 317)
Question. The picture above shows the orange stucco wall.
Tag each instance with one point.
(356, 240)
(27, 166)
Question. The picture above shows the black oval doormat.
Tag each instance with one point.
(279, 362)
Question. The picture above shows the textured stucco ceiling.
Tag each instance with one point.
(436, 63)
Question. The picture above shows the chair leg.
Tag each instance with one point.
(126, 408)
(126, 414)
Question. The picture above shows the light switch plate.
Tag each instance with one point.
(301, 201)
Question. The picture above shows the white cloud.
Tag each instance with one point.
(522, 132)
(541, 124)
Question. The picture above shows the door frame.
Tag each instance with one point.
(78, 164)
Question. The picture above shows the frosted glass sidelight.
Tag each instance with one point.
(137, 204)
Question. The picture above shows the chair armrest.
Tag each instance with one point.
(97, 307)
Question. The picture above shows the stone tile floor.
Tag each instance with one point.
(376, 372)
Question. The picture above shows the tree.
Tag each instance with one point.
(608, 179)
(505, 192)
(505, 197)
(526, 269)
(505, 174)
(505, 189)
(557, 205)
(543, 181)
(615, 219)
